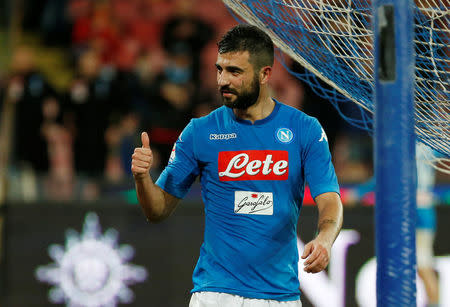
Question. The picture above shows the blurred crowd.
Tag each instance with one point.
(138, 65)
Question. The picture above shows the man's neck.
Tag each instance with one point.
(260, 110)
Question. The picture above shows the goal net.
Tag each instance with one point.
(333, 40)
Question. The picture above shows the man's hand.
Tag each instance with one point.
(317, 255)
(142, 158)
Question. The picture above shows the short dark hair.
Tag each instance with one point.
(245, 37)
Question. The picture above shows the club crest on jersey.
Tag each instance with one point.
(253, 165)
(284, 135)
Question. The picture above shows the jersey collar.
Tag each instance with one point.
(259, 121)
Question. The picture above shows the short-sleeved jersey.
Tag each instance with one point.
(253, 178)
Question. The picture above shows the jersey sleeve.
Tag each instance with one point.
(319, 170)
(182, 169)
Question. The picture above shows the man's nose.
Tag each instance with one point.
(222, 79)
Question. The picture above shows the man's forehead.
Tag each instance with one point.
(235, 58)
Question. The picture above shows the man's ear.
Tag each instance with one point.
(264, 74)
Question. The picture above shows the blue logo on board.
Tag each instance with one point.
(285, 135)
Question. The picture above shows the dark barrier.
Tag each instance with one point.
(165, 255)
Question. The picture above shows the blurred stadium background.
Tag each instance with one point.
(79, 81)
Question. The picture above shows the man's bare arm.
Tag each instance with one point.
(318, 251)
(330, 216)
(155, 202)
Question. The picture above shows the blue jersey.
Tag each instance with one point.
(253, 178)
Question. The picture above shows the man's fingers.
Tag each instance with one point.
(312, 257)
(141, 163)
(138, 170)
(145, 140)
(307, 251)
(142, 154)
(317, 261)
(316, 266)
(142, 158)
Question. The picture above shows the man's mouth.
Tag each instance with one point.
(227, 93)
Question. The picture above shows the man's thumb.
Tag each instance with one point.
(145, 140)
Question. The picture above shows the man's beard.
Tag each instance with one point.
(245, 99)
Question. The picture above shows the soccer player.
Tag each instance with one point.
(426, 224)
(253, 156)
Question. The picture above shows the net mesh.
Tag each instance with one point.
(333, 40)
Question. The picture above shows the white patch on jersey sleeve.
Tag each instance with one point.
(324, 136)
(172, 154)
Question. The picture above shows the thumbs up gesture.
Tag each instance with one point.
(142, 158)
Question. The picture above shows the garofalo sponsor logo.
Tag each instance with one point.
(222, 136)
(92, 269)
(249, 202)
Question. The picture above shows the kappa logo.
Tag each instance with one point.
(222, 136)
(323, 136)
(253, 165)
